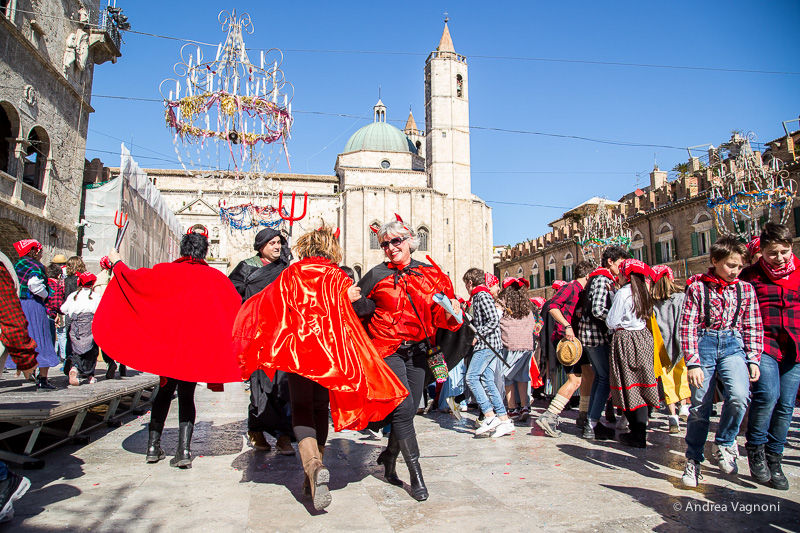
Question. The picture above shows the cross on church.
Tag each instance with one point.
(446, 16)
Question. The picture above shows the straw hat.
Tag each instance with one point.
(569, 352)
(59, 259)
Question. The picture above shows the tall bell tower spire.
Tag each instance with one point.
(447, 158)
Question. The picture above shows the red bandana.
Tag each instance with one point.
(634, 265)
(538, 301)
(480, 288)
(490, 279)
(659, 271)
(85, 279)
(516, 281)
(712, 277)
(557, 284)
(24, 246)
(600, 271)
(788, 277)
(754, 246)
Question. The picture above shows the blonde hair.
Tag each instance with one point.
(319, 243)
(664, 288)
(75, 265)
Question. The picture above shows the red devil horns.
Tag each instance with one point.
(336, 233)
(398, 217)
(199, 229)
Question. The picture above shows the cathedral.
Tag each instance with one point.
(423, 176)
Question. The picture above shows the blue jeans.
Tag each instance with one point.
(61, 342)
(601, 388)
(481, 381)
(3, 471)
(773, 401)
(722, 357)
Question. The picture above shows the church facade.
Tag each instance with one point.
(424, 176)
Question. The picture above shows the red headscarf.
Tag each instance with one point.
(754, 246)
(516, 281)
(659, 271)
(24, 246)
(490, 279)
(538, 301)
(557, 284)
(634, 265)
(86, 279)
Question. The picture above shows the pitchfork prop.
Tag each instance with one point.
(291, 217)
(121, 222)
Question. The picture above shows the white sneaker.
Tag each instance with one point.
(683, 413)
(726, 457)
(504, 428)
(691, 474)
(488, 425)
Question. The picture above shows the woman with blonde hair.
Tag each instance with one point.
(304, 324)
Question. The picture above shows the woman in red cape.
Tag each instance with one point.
(174, 320)
(304, 324)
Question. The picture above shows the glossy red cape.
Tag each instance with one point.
(303, 323)
(174, 320)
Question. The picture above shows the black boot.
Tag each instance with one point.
(183, 455)
(410, 451)
(776, 477)
(123, 371)
(610, 416)
(388, 458)
(154, 451)
(757, 462)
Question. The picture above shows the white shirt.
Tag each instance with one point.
(621, 315)
(82, 304)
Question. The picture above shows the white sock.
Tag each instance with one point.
(558, 404)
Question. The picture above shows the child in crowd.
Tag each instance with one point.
(776, 279)
(480, 374)
(79, 309)
(596, 338)
(631, 374)
(722, 337)
(668, 304)
(517, 333)
(563, 309)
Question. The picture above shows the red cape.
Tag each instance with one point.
(303, 323)
(174, 320)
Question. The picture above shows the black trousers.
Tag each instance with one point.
(637, 421)
(310, 406)
(163, 399)
(84, 363)
(409, 366)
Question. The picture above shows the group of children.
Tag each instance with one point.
(643, 339)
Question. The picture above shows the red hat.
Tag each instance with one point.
(538, 301)
(557, 284)
(634, 265)
(659, 271)
(24, 246)
(754, 246)
(86, 279)
(105, 263)
(490, 279)
(198, 229)
(519, 281)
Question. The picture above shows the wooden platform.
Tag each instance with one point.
(66, 414)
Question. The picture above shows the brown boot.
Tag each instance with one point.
(306, 484)
(316, 472)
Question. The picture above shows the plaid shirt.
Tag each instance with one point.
(780, 312)
(722, 311)
(566, 301)
(13, 325)
(600, 296)
(56, 298)
(28, 268)
(486, 320)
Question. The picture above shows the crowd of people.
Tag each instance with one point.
(315, 346)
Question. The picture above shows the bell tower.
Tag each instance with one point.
(447, 120)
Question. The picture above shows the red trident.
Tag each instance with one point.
(290, 217)
(121, 222)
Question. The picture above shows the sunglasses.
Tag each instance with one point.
(396, 242)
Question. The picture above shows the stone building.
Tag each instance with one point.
(48, 50)
(670, 223)
(424, 176)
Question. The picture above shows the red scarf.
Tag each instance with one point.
(712, 277)
(600, 271)
(480, 288)
(788, 277)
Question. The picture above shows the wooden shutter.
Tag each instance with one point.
(644, 254)
(658, 253)
(713, 235)
(695, 245)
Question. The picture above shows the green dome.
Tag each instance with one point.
(380, 137)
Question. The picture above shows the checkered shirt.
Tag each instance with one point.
(13, 325)
(486, 320)
(56, 298)
(723, 306)
(600, 293)
(566, 301)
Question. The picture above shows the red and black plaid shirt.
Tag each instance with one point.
(13, 325)
(566, 301)
(56, 298)
(780, 313)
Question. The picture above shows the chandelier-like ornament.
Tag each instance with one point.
(745, 190)
(601, 227)
(224, 112)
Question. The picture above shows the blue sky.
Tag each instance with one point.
(656, 106)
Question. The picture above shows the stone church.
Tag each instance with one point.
(424, 176)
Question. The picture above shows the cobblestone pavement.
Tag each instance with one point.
(525, 482)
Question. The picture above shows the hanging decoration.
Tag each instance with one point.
(601, 227)
(229, 108)
(745, 191)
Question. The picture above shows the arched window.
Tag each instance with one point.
(9, 129)
(422, 235)
(520, 272)
(373, 236)
(36, 158)
(535, 276)
(459, 86)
